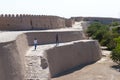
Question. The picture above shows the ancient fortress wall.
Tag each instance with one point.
(12, 58)
(69, 22)
(12, 53)
(50, 37)
(61, 58)
(30, 22)
(75, 54)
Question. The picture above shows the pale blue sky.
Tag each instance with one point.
(63, 8)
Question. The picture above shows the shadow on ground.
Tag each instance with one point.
(72, 70)
(116, 67)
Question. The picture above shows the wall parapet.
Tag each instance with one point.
(30, 22)
(63, 58)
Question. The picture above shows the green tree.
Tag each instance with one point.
(115, 55)
(100, 32)
(93, 28)
(115, 23)
(107, 36)
(104, 34)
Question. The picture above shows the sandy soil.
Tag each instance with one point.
(104, 69)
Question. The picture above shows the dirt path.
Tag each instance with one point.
(104, 69)
(36, 66)
(34, 59)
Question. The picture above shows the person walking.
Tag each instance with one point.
(57, 40)
(35, 43)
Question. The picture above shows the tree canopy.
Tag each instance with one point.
(107, 35)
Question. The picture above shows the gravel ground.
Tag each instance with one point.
(104, 69)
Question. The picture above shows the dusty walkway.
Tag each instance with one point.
(101, 70)
(35, 59)
(34, 68)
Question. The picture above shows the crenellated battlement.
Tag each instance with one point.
(31, 22)
(25, 15)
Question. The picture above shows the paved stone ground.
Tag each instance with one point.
(104, 69)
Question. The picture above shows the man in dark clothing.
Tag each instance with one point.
(57, 39)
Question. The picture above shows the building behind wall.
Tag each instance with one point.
(103, 20)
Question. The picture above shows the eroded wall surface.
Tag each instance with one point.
(31, 22)
(12, 59)
(65, 57)
(50, 37)
(69, 22)
(12, 53)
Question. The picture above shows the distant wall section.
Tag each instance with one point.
(103, 20)
(31, 22)
(69, 22)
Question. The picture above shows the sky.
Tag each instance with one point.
(63, 8)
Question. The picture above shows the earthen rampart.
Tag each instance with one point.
(49, 37)
(69, 22)
(32, 22)
(12, 53)
(12, 58)
(66, 57)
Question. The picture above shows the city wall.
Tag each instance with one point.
(66, 57)
(69, 22)
(12, 58)
(12, 53)
(32, 22)
(50, 37)
(61, 58)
